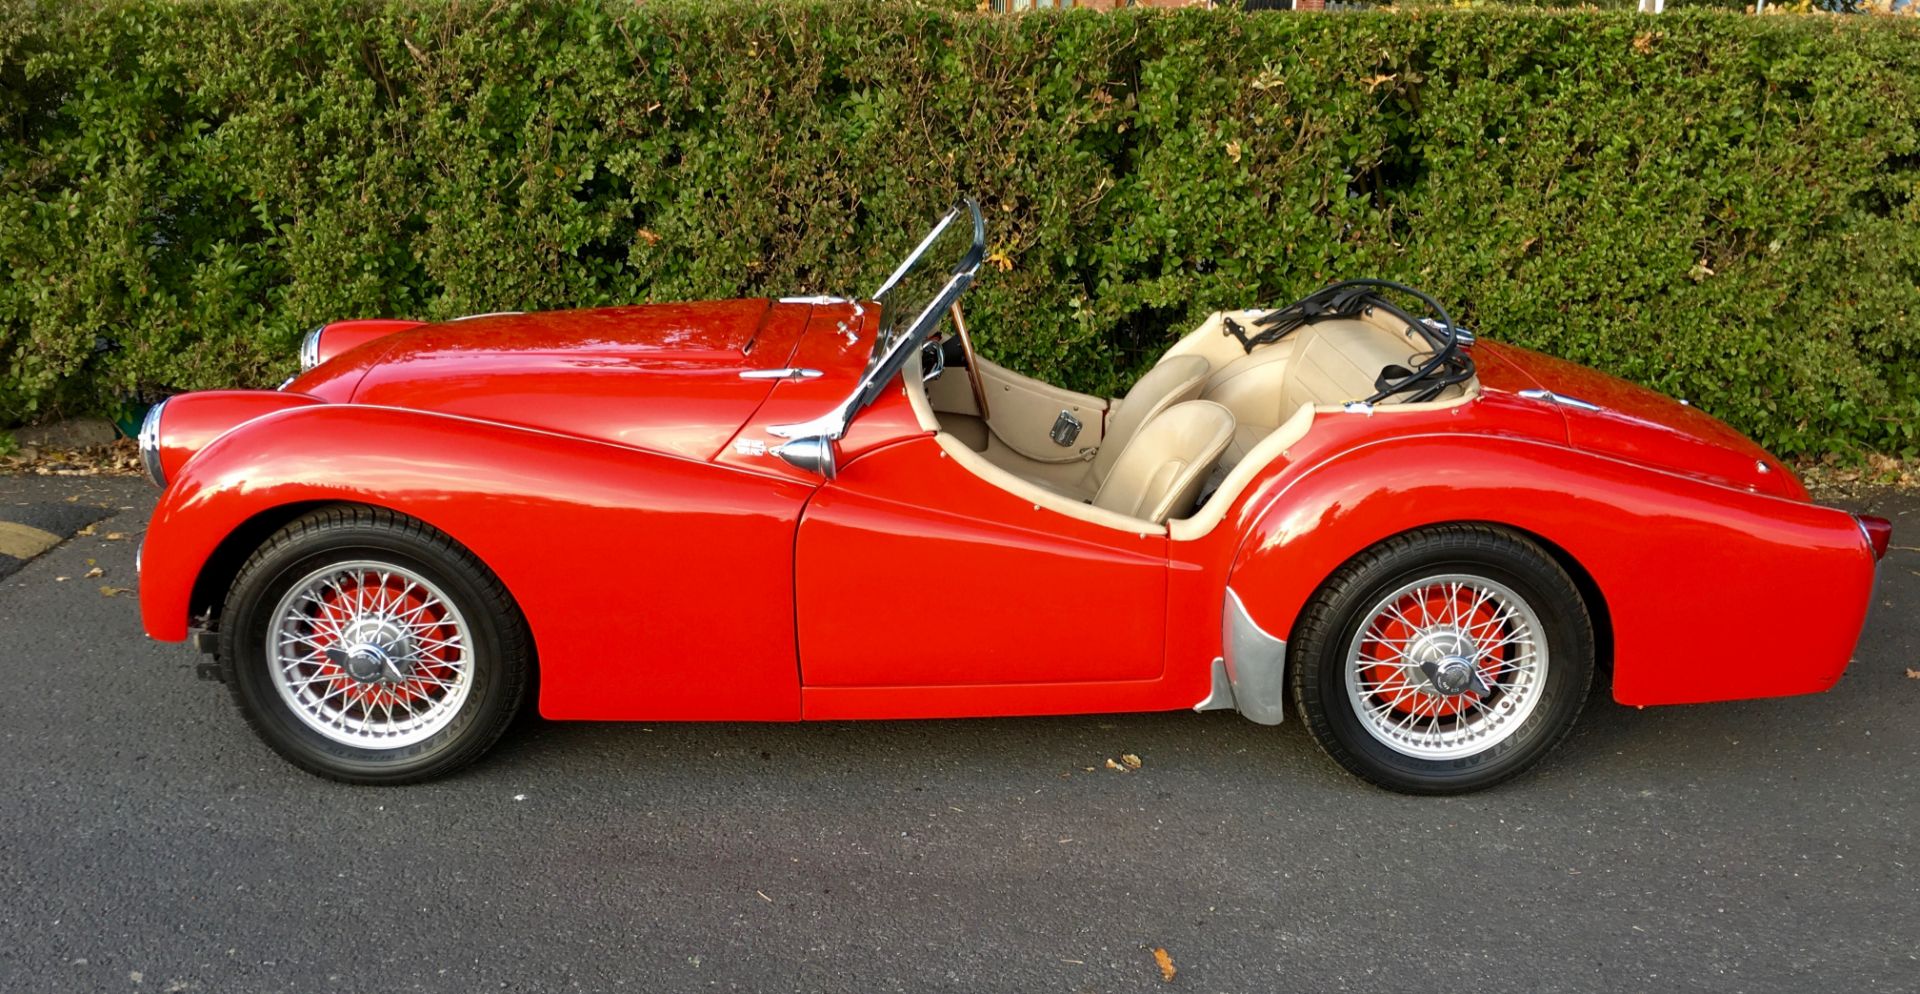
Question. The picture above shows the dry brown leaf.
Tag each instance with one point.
(1643, 42)
(1233, 151)
(1165, 962)
(115, 536)
(1111, 765)
(113, 591)
(1130, 759)
(1913, 674)
(1000, 261)
(90, 574)
(84, 532)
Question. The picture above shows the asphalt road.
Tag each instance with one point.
(149, 843)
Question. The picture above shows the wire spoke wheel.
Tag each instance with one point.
(1446, 666)
(370, 654)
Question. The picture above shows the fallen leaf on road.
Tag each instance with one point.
(115, 536)
(112, 591)
(61, 579)
(84, 532)
(1165, 962)
(1130, 759)
(96, 571)
(1111, 765)
(1913, 674)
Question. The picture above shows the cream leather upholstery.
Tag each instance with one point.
(1174, 381)
(1160, 471)
(1273, 402)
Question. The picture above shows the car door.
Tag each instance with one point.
(910, 571)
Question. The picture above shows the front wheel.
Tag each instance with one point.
(366, 647)
(1444, 660)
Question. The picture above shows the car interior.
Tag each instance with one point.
(1190, 434)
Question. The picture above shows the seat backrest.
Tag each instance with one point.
(1174, 380)
(1162, 468)
(1336, 362)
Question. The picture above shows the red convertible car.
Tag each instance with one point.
(820, 508)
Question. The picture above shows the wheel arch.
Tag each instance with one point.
(553, 517)
(1651, 552)
(223, 564)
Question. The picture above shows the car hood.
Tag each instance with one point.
(662, 377)
(1609, 416)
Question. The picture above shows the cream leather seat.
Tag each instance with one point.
(1174, 380)
(1159, 473)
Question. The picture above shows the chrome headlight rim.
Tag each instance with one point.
(310, 349)
(149, 441)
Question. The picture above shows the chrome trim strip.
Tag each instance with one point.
(1867, 537)
(1220, 694)
(1560, 398)
(149, 440)
(487, 314)
(1256, 664)
(788, 373)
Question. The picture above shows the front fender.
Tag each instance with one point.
(1714, 593)
(655, 587)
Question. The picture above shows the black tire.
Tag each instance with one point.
(1324, 635)
(500, 655)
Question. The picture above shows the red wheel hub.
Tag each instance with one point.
(1460, 616)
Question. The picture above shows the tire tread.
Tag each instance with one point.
(1320, 621)
(515, 639)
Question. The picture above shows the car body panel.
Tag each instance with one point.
(655, 587)
(619, 474)
(1674, 558)
(660, 377)
(1034, 596)
(340, 337)
(1634, 423)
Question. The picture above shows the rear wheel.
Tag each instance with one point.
(1444, 660)
(366, 647)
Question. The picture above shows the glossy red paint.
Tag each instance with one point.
(660, 377)
(1639, 425)
(614, 469)
(190, 421)
(340, 337)
(1664, 551)
(655, 587)
(1037, 597)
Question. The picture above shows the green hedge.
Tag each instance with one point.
(1722, 207)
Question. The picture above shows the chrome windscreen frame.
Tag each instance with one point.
(890, 356)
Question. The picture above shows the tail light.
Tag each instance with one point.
(1879, 531)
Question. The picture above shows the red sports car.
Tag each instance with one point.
(820, 508)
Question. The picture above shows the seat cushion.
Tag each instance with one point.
(1160, 471)
(1175, 380)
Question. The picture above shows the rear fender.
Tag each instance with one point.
(656, 587)
(1679, 562)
